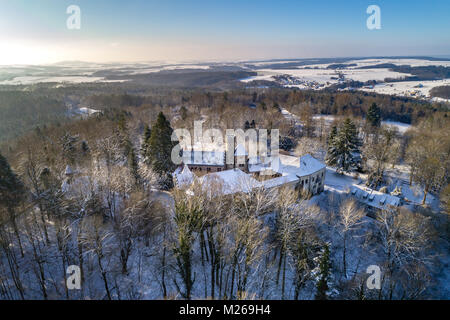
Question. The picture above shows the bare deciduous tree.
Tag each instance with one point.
(405, 239)
(350, 219)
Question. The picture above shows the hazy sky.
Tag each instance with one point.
(35, 31)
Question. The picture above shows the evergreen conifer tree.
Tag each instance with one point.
(160, 150)
(331, 157)
(324, 274)
(69, 149)
(343, 147)
(145, 143)
(373, 117)
(133, 164)
(12, 193)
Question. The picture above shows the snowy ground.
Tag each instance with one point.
(290, 116)
(409, 88)
(326, 77)
(329, 119)
(26, 80)
(397, 177)
(401, 127)
(312, 75)
(398, 62)
(362, 254)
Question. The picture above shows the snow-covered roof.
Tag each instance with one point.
(230, 181)
(309, 165)
(235, 180)
(276, 182)
(183, 176)
(288, 165)
(374, 198)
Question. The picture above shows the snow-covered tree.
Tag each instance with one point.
(324, 274)
(343, 148)
(350, 219)
(12, 192)
(405, 238)
(69, 147)
(382, 147)
(373, 117)
(145, 145)
(160, 150)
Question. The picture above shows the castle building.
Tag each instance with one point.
(304, 173)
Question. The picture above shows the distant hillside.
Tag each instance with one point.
(441, 92)
(185, 78)
(22, 111)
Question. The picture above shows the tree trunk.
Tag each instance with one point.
(279, 266)
(12, 218)
(44, 225)
(425, 193)
(344, 254)
(105, 280)
(283, 278)
(163, 274)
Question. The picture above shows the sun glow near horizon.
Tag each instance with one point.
(36, 32)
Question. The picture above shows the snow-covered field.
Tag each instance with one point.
(317, 76)
(26, 80)
(401, 127)
(327, 76)
(408, 88)
(310, 74)
(398, 62)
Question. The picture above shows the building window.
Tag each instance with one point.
(219, 169)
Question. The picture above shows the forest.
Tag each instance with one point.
(96, 192)
(25, 108)
(441, 92)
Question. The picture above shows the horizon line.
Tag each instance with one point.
(444, 57)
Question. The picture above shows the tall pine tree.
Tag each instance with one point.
(159, 151)
(124, 138)
(332, 155)
(373, 117)
(12, 193)
(332, 135)
(145, 146)
(133, 163)
(343, 148)
(324, 274)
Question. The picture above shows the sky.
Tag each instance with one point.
(35, 31)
